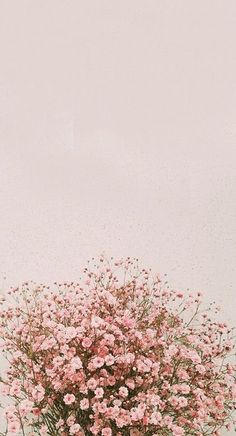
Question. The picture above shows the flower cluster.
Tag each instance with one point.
(119, 353)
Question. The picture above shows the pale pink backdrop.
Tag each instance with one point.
(118, 134)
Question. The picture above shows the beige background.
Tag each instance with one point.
(118, 131)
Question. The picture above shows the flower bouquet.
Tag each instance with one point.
(118, 353)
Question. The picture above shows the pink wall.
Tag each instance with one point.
(118, 133)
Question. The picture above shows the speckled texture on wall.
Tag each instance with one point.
(118, 132)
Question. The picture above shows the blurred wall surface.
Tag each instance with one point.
(118, 135)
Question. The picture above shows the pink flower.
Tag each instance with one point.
(174, 401)
(109, 360)
(183, 402)
(106, 431)
(96, 321)
(155, 418)
(123, 391)
(86, 342)
(201, 369)
(43, 430)
(4, 389)
(60, 423)
(84, 404)
(71, 420)
(38, 393)
(75, 428)
(13, 427)
(130, 383)
(76, 363)
(69, 399)
(102, 407)
(92, 384)
(177, 431)
(15, 388)
(99, 392)
(182, 374)
(98, 362)
(25, 406)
